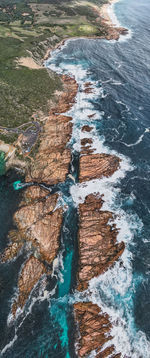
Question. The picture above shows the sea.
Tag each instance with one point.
(119, 73)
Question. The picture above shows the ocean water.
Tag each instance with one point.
(119, 73)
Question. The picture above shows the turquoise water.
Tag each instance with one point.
(17, 185)
(120, 75)
(2, 163)
(60, 308)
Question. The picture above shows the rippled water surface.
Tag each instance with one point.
(119, 73)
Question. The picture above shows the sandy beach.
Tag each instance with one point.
(107, 13)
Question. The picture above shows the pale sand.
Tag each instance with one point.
(29, 62)
(8, 149)
(105, 12)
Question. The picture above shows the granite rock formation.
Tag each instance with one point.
(29, 276)
(95, 166)
(39, 218)
(87, 128)
(94, 327)
(98, 251)
(51, 164)
(38, 224)
(98, 248)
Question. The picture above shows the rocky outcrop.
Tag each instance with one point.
(94, 331)
(39, 218)
(87, 128)
(38, 222)
(51, 164)
(113, 33)
(98, 251)
(98, 248)
(35, 192)
(86, 146)
(95, 166)
(88, 87)
(29, 276)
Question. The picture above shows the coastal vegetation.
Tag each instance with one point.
(28, 29)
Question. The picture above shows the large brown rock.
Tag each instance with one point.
(38, 219)
(93, 330)
(87, 128)
(38, 223)
(35, 192)
(98, 248)
(29, 276)
(93, 166)
(52, 161)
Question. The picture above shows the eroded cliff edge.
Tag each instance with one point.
(39, 217)
(98, 251)
(39, 220)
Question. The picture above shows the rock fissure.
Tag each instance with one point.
(39, 221)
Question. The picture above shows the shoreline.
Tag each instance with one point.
(107, 20)
(38, 219)
(38, 174)
(87, 313)
(108, 13)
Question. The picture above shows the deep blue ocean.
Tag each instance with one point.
(120, 75)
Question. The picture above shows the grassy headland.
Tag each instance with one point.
(28, 29)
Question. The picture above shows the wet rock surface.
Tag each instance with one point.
(51, 164)
(88, 87)
(39, 217)
(87, 128)
(94, 327)
(98, 248)
(98, 251)
(38, 224)
(95, 166)
(29, 276)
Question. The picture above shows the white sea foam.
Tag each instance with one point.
(104, 186)
(147, 130)
(107, 287)
(126, 339)
(58, 266)
(41, 296)
(111, 291)
(112, 15)
(9, 345)
(126, 37)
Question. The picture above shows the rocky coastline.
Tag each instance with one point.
(40, 215)
(98, 251)
(94, 327)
